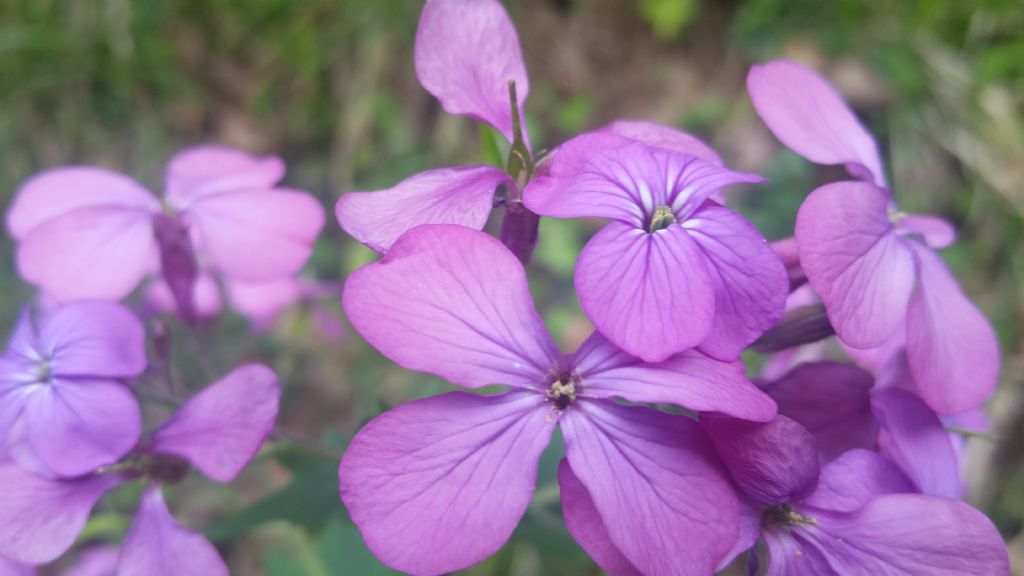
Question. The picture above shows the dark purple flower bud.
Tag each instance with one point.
(177, 262)
(519, 230)
(771, 462)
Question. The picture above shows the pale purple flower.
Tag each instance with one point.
(95, 561)
(874, 266)
(11, 568)
(439, 484)
(63, 402)
(218, 431)
(674, 270)
(89, 233)
(857, 516)
(467, 52)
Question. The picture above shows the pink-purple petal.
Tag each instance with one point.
(750, 282)
(463, 195)
(466, 53)
(99, 252)
(854, 479)
(60, 191)
(439, 484)
(853, 258)
(951, 347)
(661, 136)
(94, 339)
(586, 526)
(40, 518)
(157, 545)
(689, 379)
(204, 170)
(791, 555)
(258, 235)
(936, 232)
(96, 560)
(454, 302)
(657, 484)
(12, 568)
(220, 429)
(810, 118)
(649, 293)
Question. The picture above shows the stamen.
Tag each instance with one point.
(785, 515)
(563, 389)
(662, 218)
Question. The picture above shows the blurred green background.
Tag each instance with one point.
(329, 85)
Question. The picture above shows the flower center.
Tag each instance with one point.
(662, 218)
(785, 515)
(44, 371)
(563, 386)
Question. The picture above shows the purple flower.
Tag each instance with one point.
(88, 233)
(874, 266)
(674, 270)
(217, 431)
(62, 402)
(856, 517)
(438, 484)
(467, 52)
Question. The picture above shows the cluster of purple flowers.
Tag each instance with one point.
(676, 463)
(835, 468)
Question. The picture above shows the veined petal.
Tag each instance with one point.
(157, 545)
(853, 258)
(936, 232)
(689, 379)
(39, 517)
(203, 170)
(466, 53)
(810, 118)
(439, 484)
(454, 302)
(462, 195)
(24, 348)
(831, 400)
(98, 252)
(206, 298)
(662, 136)
(96, 560)
(854, 478)
(914, 438)
(76, 426)
(790, 555)
(657, 484)
(586, 526)
(60, 191)
(750, 282)
(900, 534)
(94, 339)
(952, 349)
(258, 235)
(650, 293)
(220, 429)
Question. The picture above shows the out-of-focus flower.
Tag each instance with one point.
(439, 484)
(88, 233)
(674, 270)
(62, 400)
(874, 266)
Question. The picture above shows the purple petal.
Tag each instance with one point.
(749, 280)
(439, 484)
(466, 53)
(650, 294)
(657, 484)
(771, 462)
(832, 401)
(914, 438)
(586, 526)
(94, 339)
(12, 568)
(750, 533)
(662, 136)
(952, 349)
(206, 298)
(853, 479)
(204, 170)
(690, 379)
(258, 235)
(157, 545)
(862, 269)
(913, 534)
(936, 232)
(810, 118)
(262, 302)
(95, 561)
(461, 195)
(40, 518)
(99, 252)
(791, 555)
(220, 429)
(454, 302)
(23, 349)
(76, 426)
(60, 191)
